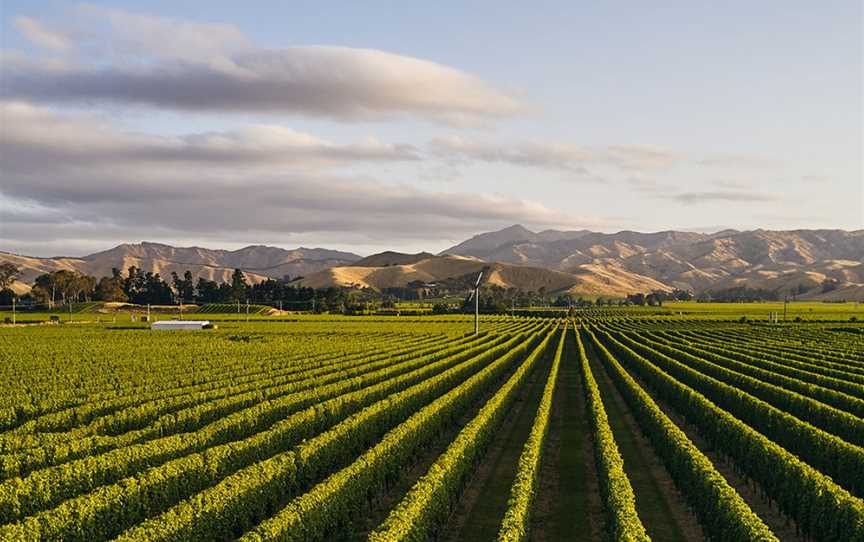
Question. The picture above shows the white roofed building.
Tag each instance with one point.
(180, 324)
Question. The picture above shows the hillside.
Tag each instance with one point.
(257, 262)
(383, 259)
(783, 260)
(588, 280)
(582, 262)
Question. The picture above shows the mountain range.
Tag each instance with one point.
(257, 261)
(580, 262)
(773, 260)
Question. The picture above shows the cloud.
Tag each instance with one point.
(555, 155)
(647, 185)
(36, 137)
(256, 208)
(160, 37)
(66, 176)
(748, 161)
(728, 196)
(171, 64)
(42, 36)
(814, 178)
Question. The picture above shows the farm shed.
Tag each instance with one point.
(180, 324)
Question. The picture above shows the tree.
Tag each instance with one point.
(6, 296)
(144, 288)
(83, 287)
(224, 292)
(829, 285)
(562, 300)
(239, 287)
(440, 308)
(8, 274)
(801, 289)
(681, 295)
(71, 286)
(110, 289)
(269, 291)
(184, 287)
(157, 290)
(654, 300)
(208, 291)
(45, 287)
(133, 284)
(636, 299)
(739, 294)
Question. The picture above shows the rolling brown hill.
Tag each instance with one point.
(581, 262)
(591, 279)
(258, 262)
(383, 259)
(774, 260)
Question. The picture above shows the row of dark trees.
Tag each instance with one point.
(657, 297)
(740, 294)
(145, 287)
(137, 286)
(498, 299)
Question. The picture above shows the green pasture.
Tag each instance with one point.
(805, 310)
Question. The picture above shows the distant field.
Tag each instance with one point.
(805, 310)
(231, 308)
(97, 312)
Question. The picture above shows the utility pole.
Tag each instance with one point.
(181, 308)
(13, 309)
(247, 310)
(476, 294)
(785, 304)
(148, 312)
(313, 303)
(70, 311)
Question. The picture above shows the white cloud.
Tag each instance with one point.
(42, 36)
(74, 176)
(555, 155)
(160, 37)
(36, 137)
(171, 64)
(724, 196)
(740, 160)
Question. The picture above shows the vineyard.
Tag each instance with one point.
(231, 308)
(619, 425)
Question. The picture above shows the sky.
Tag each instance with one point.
(367, 126)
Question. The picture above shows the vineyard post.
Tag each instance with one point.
(476, 314)
(477, 304)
